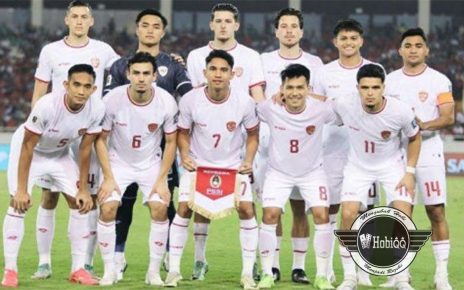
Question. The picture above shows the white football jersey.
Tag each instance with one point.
(216, 127)
(336, 81)
(274, 63)
(375, 138)
(295, 145)
(59, 126)
(58, 57)
(424, 92)
(137, 130)
(247, 67)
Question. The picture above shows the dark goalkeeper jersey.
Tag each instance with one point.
(171, 75)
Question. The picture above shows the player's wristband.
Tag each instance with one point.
(410, 169)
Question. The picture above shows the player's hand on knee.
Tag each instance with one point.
(106, 189)
(21, 202)
(245, 168)
(409, 183)
(84, 201)
(188, 163)
(178, 58)
(161, 188)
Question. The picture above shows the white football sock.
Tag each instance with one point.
(267, 245)
(249, 243)
(200, 234)
(45, 230)
(300, 248)
(333, 226)
(13, 233)
(106, 233)
(276, 262)
(441, 250)
(78, 233)
(159, 231)
(322, 242)
(177, 239)
(349, 267)
(92, 244)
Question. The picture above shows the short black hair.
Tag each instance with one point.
(225, 7)
(414, 32)
(142, 57)
(220, 54)
(371, 70)
(82, 68)
(151, 12)
(79, 3)
(295, 70)
(289, 12)
(348, 25)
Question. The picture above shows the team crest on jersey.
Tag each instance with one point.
(385, 134)
(152, 127)
(310, 129)
(238, 71)
(34, 119)
(95, 61)
(82, 131)
(163, 70)
(215, 181)
(231, 126)
(423, 96)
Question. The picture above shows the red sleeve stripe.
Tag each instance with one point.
(33, 132)
(182, 128)
(37, 79)
(261, 83)
(107, 131)
(92, 133)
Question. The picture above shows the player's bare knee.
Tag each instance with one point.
(71, 202)
(49, 199)
(108, 211)
(158, 211)
(271, 215)
(245, 211)
(436, 213)
(184, 211)
(320, 215)
(201, 219)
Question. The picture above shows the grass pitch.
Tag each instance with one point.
(223, 251)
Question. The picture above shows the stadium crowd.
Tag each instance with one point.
(20, 48)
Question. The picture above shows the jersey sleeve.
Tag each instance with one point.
(409, 126)
(44, 67)
(112, 56)
(117, 76)
(96, 124)
(192, 69)
(250, 120)
(264, 109)
(185, 115)
(317, 65)
(107, 123)
(316, 80)
(38, 119)
(257, 75)
(171, 118)
(332, 117)
(182, 81)
(445, 91)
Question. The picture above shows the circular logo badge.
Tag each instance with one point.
(383, 241)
